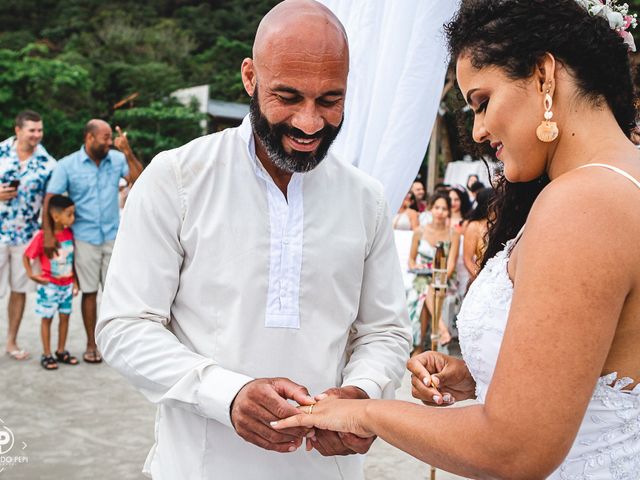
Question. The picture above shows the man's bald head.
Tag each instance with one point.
(98, 139)
(94, 125)
(297, 81)
(302, 25)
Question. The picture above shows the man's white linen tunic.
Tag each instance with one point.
(215, 281)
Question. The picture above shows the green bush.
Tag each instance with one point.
(74, 60)
(160, 126)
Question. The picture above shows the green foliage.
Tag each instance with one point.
(160, 126)
(59, 91)
(220, 64)
(72, 60)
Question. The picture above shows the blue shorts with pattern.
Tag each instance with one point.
(52, 298)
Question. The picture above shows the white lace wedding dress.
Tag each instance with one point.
(608, 443)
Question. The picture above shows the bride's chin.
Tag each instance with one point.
(516, 175)
(510, 173)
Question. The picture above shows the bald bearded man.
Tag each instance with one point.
(253, 271)
(90, 177)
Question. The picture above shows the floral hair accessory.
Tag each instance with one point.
(617, 16)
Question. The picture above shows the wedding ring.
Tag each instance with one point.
(310, 409)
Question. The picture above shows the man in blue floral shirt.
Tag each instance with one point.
(25, 169)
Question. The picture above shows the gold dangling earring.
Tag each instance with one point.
(547, 131)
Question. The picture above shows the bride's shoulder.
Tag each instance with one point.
(587, 211)
(589, 192)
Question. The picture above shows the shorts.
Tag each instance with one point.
(92, 262)
(52, 298)
(13, 276)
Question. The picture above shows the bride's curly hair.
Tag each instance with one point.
(514, 35)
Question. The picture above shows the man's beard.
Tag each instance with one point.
(271, 135)
(99, 152)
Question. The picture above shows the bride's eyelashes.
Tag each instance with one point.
(482, 107)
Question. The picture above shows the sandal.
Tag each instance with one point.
(18, 354)
(48, 362)
(92, 356)
(66, 357)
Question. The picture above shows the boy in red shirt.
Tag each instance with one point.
(58, 283)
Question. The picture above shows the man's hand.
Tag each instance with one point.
(39, 279)
(331, 443)
(50, 244)
(121, 142)
(7, 193)
(76, 288)
(263, 401)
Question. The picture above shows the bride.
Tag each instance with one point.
(551, 327)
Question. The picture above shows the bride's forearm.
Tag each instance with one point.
(460, 440)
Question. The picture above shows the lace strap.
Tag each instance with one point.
(614, 169)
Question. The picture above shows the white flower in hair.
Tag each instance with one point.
(616, 20)
(617, 16)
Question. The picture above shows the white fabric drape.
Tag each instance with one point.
(458, 172)
(398, 64)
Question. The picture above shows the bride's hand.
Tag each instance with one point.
(439, 379)
(333, 414)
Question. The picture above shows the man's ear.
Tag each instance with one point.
(545, 74)
(248, 73)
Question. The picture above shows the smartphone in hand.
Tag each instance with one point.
(14, 183)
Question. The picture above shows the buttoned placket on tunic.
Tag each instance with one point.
(286, 217)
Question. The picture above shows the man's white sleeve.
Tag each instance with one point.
(143, 278)
(381, 335)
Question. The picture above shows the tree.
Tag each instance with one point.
(73, 60)
(29, 79)
(160, 126)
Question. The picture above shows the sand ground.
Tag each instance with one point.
(87, 422)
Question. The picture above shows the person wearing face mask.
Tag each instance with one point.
(471, 179)
(550, 328)
(253, 267)
(91, 177)
(25, 169)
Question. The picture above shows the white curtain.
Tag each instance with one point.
(458, 172)
(397, 70)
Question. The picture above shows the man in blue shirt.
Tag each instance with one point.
(25, 168)
(90, 176)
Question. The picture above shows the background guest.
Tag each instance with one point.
(57, 282)
(407, 216)
(25, 168)
(460, 207)
(90, 176)
(471, 179)
(474, 244)
(417, 188)
(422, 253)
(473, 191)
